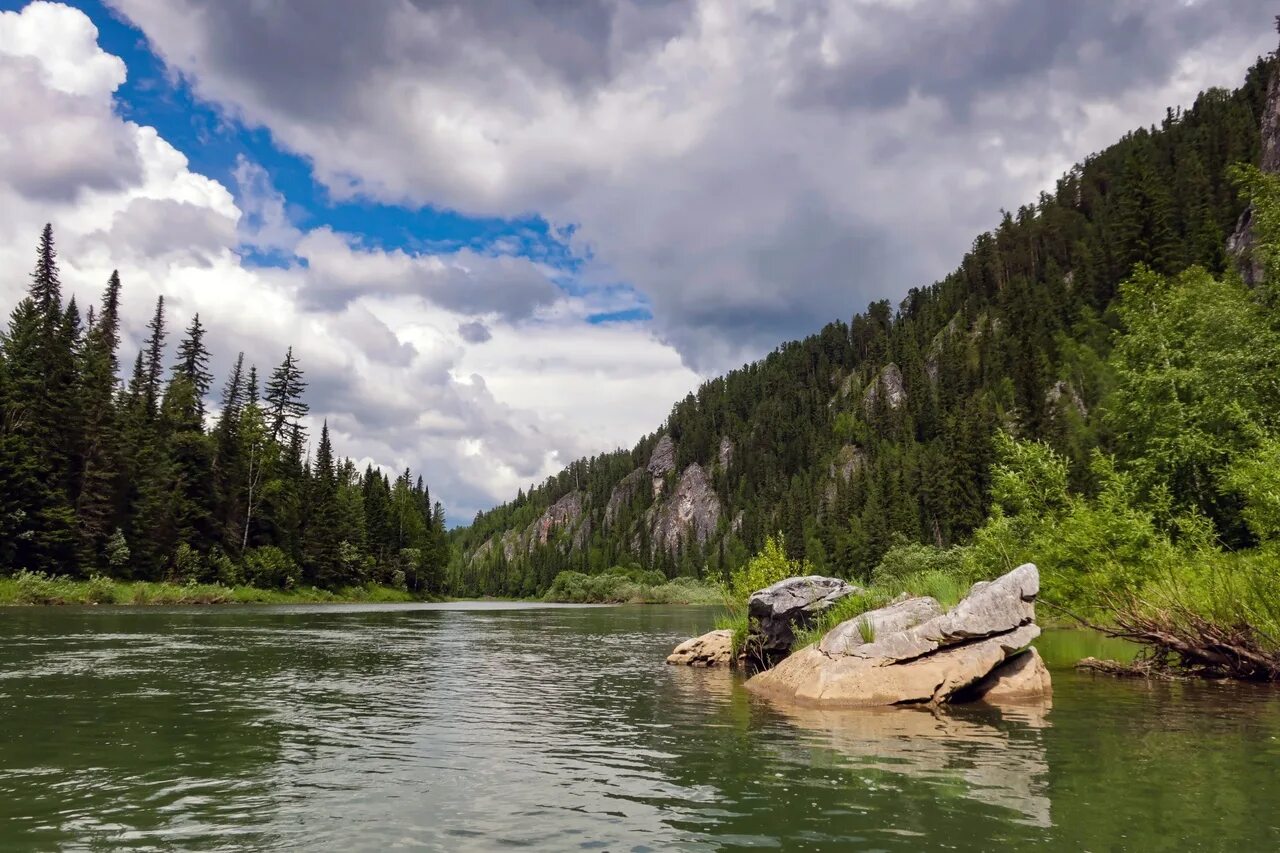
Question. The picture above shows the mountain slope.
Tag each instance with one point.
(880, 429)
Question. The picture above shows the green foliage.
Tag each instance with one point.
(129, 483)
(1018, 338)
(766, 568)
(270, 568)
(631, 584)
(25, 588)
(912, 558)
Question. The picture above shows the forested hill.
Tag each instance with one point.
(881, 429)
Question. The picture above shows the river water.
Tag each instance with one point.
(485, 727)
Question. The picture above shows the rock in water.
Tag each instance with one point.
(711, 649)
(910, 652)
(776, 611)
(1020, 678)
(989, 608)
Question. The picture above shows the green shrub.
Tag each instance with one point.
(270, 568)
(101, 590)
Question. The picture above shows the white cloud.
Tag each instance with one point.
(380, 334)
(754, 168)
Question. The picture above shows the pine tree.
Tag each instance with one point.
(284, 397)
(193, 362)
(153, 362)
(320, 543)
(100, 488)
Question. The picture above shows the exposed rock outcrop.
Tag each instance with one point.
(725, 454)
(910, 652)
(890, 379)
(692, 512)
(849, 459)
(561, 514)
(1062, 392)
(1240, 245)
(623, 493)
(661, 462)
(714, 648)
(775, 612)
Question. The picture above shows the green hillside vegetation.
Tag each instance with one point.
(1027, 388)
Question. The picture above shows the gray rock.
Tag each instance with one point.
(809, 677)
(661, 462)
(776, 611)
(896, 617)
(989, 609)
(1242, 242)
(691, 513)
(890, 379)
(725, 454)
(623, 493)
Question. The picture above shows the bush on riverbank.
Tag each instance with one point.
(32, 588)
(621, 585)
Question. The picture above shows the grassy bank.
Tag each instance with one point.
(630, 586)
(27, 588)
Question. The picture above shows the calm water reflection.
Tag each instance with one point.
(478, 727)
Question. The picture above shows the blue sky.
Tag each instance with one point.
(213, 140)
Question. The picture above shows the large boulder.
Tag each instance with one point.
(989, 608)
(812, 678)
(711, 649)
(1021, 678)
(776, 611)
(911, 652)
(885, 622)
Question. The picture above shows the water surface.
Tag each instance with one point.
(482, 727)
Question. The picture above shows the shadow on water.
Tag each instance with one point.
(485, 726)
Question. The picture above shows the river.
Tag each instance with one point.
(492, 726)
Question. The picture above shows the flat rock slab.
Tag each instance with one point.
(810, 677)
(990, 608)
(888, 620)
(714, 648)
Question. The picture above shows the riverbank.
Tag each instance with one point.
(630, 587)
(30, 589)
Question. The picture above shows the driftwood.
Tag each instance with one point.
(1178, 642)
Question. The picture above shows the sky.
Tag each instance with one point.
(501, 235)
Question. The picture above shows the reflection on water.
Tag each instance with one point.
(989, 755)
(476, 727)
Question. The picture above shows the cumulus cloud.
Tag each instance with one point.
(754, 168)
(409, 356)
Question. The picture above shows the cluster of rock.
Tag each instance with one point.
(909, 652)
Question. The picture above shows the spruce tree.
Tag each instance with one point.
(285, 408)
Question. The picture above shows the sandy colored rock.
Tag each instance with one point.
(810, 677)
(899, 616)
(1022, 678)
(711, 649)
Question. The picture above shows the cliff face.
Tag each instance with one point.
(692, 513)
(1241, 242)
